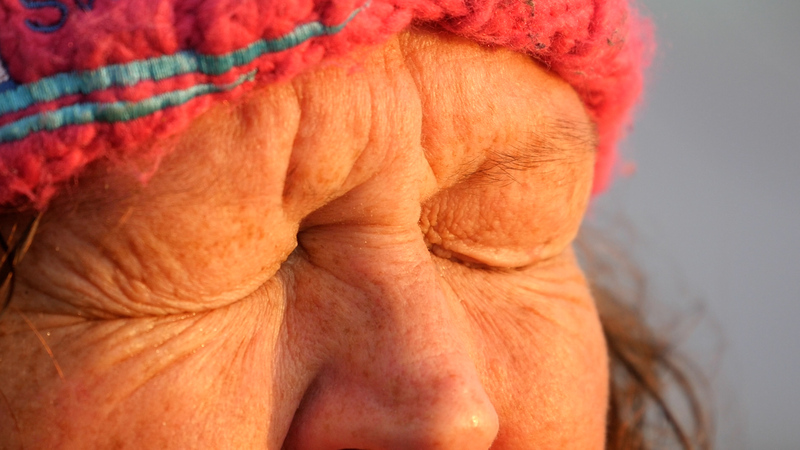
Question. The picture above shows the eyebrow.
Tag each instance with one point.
(559, 139)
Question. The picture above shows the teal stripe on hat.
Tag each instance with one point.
(86, 113)
(155, 69)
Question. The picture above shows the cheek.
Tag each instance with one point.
(172, 382)
(540, 348)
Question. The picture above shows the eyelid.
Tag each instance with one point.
(444, 253)
(484, 262)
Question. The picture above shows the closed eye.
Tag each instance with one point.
(470, 261)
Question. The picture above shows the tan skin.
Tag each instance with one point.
(345, 261)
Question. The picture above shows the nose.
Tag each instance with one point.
(399, 374)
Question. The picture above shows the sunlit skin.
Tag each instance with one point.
(376, 255)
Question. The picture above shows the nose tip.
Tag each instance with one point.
(445, 409)
(454, 414)
(471, 424)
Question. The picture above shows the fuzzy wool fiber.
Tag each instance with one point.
(90, 79)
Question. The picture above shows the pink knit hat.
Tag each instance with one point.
(85, 79)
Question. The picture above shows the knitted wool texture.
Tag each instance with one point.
(87, 79)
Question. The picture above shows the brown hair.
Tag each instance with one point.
(655, 396)
(13, 249)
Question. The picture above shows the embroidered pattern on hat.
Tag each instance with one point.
(47, 92)
(54, 5)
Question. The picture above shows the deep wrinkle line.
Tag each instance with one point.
(155, 69)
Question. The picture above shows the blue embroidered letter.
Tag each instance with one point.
(46, 28)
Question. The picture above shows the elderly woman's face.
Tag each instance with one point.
(375, 256)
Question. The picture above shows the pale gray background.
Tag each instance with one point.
(715, 201)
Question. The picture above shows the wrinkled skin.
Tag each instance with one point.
(374, 256)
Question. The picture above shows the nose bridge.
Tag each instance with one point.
(407, 306)
(396, 290)
(402, 376)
